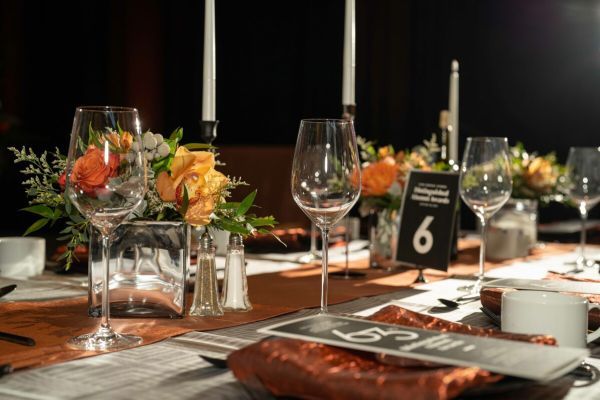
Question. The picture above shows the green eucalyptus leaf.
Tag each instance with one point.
(234, 227)
(230, 205)
(185, 203)
(177, 134)
(246, 204)
(36, 226)
(41, 210)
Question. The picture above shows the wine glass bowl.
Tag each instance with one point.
(582, 186)
(325, 180)
(106, 182)
(485, 185)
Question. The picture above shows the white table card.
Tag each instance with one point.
(513, 358)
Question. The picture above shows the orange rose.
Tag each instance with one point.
(195, 172)
(378, 177)
(62, 181)
(92, 170)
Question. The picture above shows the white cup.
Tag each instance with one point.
(548, 313)
(22, 257)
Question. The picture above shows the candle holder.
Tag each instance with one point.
(208, 131)
(349, 111)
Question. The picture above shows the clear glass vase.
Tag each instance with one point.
(149, 268)
(513, 230)
(384, 226)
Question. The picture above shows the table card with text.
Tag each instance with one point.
(513, 358)
(427, 219)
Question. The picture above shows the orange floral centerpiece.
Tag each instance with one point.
(384, 173)
(535, 177)
(184, 184)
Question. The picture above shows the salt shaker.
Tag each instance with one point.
(235, 284)
(206, 292)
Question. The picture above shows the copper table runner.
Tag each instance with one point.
(52, 323)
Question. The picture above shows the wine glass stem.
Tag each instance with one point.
(582, 238)
(105, 324)
(324, 276)
(482, 249)
(347, 239)
(313, 238)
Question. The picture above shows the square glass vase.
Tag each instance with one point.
(149, 270)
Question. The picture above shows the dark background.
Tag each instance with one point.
(530, 70)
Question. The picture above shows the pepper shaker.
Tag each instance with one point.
(206, 292)
(235, 284)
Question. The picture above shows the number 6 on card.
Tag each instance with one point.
(423, 239)
(427, 219)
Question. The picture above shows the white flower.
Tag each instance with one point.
(149, 141)
(395, 189)
(159, 138)
(163, 149)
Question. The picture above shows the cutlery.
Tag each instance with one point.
(18, 339)
(7, 289)
(459, 300)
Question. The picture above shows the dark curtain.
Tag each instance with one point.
(529, 70)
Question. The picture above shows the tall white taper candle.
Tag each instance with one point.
(453, 108)
(348, 77)
(209, 73)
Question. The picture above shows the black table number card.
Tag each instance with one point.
(427, 219)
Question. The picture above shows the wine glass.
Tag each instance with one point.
(485, 185)
(583, 187)
(106, 181)
(325, 178)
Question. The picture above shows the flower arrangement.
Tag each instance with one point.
(384, 172)
(535, 177)
(183, 184)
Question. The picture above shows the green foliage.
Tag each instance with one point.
(47, 200)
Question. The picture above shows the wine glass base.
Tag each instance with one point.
(104, 341)
(347, 275)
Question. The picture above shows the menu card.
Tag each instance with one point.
(507, 357)
(545, 285)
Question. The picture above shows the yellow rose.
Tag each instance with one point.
(195, 172)
(540, 175)
(121, 142)
(126, 141)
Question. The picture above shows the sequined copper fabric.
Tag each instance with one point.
(299, 369)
